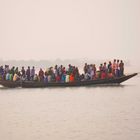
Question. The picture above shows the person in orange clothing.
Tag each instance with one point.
(71, 77)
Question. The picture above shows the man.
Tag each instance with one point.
(32, 73)
(121, 66)
(28, 73)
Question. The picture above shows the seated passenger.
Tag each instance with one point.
(71, 77)
(58, 78)
(110, 75)
(63, 78)
(16, 77)
(82, 77)
(49, 78)
(87, 76)
(35, 77)
(46, 79)
(67, 78)
(103, 75)
(11, 77)
(7, 76)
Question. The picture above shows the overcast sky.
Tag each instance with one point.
(67, 29)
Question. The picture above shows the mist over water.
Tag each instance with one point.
(77, 113)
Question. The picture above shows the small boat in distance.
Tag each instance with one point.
(37, 84)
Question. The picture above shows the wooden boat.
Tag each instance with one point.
(10, 84)
(35, 84)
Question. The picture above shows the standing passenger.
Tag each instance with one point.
(109, 67)
(100, 70)
(117, 69)
(114, 67)
(28, 73)
(121, 65)
(32, 73)
(23, 73)
(41, 75)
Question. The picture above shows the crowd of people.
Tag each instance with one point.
(62, 74)
(110, 70)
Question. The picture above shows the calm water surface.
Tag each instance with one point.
(83, 113)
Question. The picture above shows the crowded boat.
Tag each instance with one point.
(62, 74)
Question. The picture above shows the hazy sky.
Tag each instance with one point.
(66, 29)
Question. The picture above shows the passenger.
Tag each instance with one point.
(109, 67)
(56, 70)
(16, 77)
(60, 71)
(28, 73)
(11, 76)
(8, 76)
(63, 78)
(19, 74)
(1, 73)
(91, 72)
(41, 75)
(67, 78)
(76, 74)
(71, 77)
(82, 77)
(32, 73)
(103, 75)
(121, 66)
(45, 78)
(98, 75)
(35, 77)
(53, 78)
(49, 78)
(105, 70)
(87, 76)
(114, 67)
(63, 70)
(6, 69)
(94, 69)
(117, 70)
(85, 68)
(23, 73)
(110, 75)
(70, 69)
(100, 70)
(13, 70)
(58, 78)
(16, 70)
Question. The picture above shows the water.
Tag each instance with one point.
(80, 113)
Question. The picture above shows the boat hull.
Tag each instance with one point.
(33, 84)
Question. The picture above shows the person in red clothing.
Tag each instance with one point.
(57, 78)
(103, 75)
(71, 77)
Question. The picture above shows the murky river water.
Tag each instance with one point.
(83, 113)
